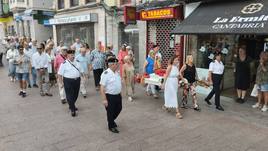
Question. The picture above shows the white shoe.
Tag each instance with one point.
(257, 105)
(264, 108)
(130, 99)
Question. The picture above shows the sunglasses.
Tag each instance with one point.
(70, 51)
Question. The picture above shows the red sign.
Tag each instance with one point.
(130, 15)
(163, 13)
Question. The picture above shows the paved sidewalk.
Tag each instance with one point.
(38, 123)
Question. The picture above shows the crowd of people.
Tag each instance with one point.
(43, 65)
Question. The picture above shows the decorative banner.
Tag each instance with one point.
(130, 15)
(163, 13)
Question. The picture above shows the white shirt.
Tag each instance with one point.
(111, 82)
(216, 67)
(11, 55)
(67, 70)
(39, 61)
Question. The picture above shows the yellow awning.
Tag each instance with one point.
(4, 20)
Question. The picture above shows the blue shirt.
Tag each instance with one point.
(83, 61)
(150, 65)
(97, 59)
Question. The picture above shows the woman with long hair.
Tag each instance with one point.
(262, 82)
(171, 86)
(188, 72)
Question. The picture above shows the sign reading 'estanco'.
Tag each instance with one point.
(164, 13)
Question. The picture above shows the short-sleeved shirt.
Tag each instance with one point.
(97, 59)
(111, 82)
(68, 70)
(216, 67)
(84, 62)
(24, 66)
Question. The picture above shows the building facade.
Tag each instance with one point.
(31, 16)
(6, 20)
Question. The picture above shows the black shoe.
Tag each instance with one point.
(73, 113)
(23, 94)
(63, 101)
(20, 93)
(242, 101)
(114, 130)
(209, 103)
(220, 108)
(29, 86)
(35, 86)
(197, 108)
(48, 94)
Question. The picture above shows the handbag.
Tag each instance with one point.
(254, 91)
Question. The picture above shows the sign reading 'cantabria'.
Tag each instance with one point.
(72, 19)
(247, 22)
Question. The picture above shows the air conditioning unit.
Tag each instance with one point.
(111, 3)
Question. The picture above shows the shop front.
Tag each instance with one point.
(160, 22)
(78, 26)
(224, 27)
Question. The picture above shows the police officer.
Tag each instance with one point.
(111, 93)
(216, 69)
(70, 72)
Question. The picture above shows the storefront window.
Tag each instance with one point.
(207, 45)
(68, 33)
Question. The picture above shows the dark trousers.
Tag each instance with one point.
(71, 87)
(113, 109)
(216, 79)
(1, 56)
(97, 75)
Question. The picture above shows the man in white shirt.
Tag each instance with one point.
(77, 45)
(69, 73)
(111, 93)
(40, 63)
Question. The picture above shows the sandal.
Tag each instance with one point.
(178, 115)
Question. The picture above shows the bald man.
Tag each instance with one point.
(83, 60)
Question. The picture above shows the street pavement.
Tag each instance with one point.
(38, 123)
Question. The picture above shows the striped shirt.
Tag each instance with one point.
(97, 59)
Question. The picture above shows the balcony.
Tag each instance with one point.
(16, 5)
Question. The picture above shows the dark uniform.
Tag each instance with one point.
(111, 82)
(71, 72)
(217, 69)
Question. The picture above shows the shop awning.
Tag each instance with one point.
(236, 17)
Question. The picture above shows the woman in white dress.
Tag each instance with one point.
(171, 86)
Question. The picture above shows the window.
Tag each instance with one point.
(74, 3)
(20, 1)
(60, 4)
(124, 2)
(90, 1)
